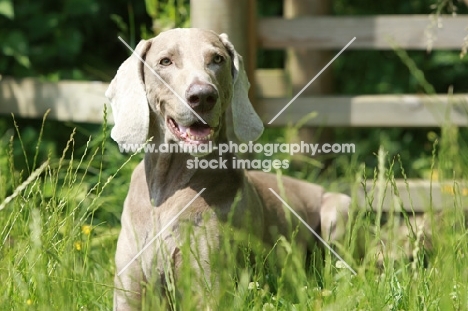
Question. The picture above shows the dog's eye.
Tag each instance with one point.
(165, 61)
(218, 59)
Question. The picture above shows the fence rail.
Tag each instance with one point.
(372, 32)
(84, 102)
(414, 195)
(370, 111)
(67, 100)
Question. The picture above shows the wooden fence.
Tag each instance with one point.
(83, 101)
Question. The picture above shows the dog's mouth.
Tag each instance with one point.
(197, 133)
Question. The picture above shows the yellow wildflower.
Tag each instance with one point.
(86, 229)
(448, 189)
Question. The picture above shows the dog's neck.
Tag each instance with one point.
(169, 172)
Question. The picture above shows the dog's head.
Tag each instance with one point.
(192, 81)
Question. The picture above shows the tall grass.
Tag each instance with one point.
(54, 253)
(57, 244)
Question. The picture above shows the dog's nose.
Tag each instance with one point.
(201, 97)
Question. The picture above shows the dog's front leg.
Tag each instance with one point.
(128, 278)
(202, 244)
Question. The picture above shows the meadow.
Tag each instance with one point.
(59, 222)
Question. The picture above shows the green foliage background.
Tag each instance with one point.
(70, 39)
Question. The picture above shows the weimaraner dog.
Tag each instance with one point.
(203, 69)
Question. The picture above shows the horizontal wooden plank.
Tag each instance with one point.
(372, 32)
(68, 100)
(369, 110)
(83, 102)
(414, 195)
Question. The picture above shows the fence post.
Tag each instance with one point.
(303, 64)
(235, 18)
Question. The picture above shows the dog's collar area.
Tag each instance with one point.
(197, 133)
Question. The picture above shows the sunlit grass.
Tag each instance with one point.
(57, 245)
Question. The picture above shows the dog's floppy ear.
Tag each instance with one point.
(242, 121)
(127, 95)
